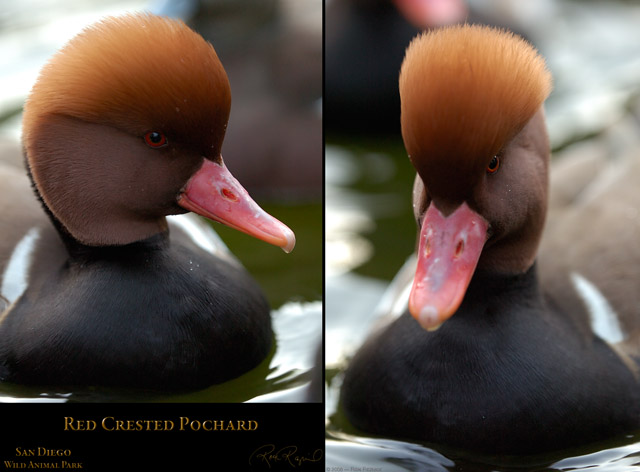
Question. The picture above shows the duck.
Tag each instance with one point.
(510, 338)
(108, 277)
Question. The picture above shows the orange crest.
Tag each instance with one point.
(138, 73)
(465, 92)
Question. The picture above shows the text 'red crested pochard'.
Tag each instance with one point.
(509, 358)
(122, 129)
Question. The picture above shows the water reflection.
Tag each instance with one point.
(347, 220)
(383, 454)
(358, 205)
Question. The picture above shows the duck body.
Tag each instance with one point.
(599, 277)
(500, 349)
(159, 313)
(506, 374)
(105, 280)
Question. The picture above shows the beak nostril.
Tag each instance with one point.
(229, 195)
(459, 249)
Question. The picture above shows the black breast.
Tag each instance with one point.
(506, 374)
(150, 314)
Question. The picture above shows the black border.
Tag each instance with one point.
(288, 436)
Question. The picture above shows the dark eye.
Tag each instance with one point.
(155, 139)
(493, 166)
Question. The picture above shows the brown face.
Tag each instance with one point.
(514, 200)
(492, 221)
(106, 185)
(510, 193)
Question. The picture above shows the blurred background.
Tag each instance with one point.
(592, 48)
(272, 52)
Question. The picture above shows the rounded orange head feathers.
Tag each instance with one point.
(465, 91)
(135, 73)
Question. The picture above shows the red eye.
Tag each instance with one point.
(493, 166)
(155, 139)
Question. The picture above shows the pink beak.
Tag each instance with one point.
(448, 253)
(214, 193)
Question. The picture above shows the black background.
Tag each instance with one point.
(285, 425)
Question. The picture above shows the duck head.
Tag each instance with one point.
(124, 126)
(474, 129)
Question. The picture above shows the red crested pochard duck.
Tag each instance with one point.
(491, 353)
(123, 128)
